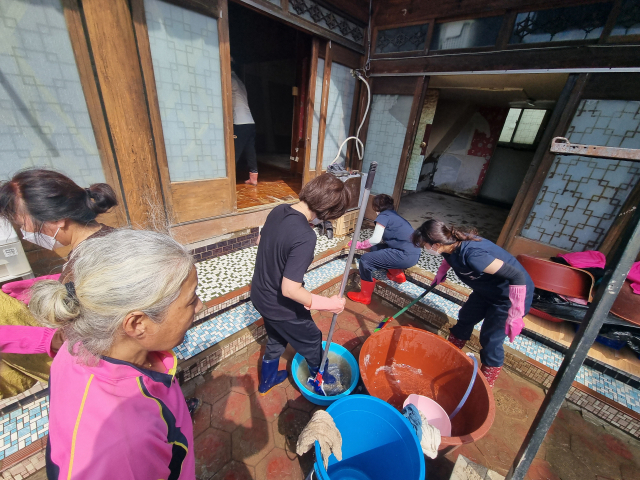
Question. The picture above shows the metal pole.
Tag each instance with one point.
(606, 294)
(352, 251)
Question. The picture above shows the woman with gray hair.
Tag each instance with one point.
(116, 410)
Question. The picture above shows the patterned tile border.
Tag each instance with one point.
(225, 247)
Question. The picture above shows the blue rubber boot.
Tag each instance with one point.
(326, 376)
(270, 376)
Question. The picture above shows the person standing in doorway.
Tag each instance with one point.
(244, 128)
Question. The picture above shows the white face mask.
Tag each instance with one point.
(42, 240)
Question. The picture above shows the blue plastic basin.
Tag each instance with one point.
(378, 443)
(321, 399)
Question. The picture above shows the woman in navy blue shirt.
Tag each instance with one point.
(390, 247)
(502, 289)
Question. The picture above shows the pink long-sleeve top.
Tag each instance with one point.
(26, 339)
(112, 420)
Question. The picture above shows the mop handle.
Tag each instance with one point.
(352, 252)
(413, 302)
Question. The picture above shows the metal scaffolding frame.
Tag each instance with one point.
(615, 274)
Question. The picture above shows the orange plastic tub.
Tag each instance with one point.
(397, 362)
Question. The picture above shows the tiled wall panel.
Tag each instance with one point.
(44, 121)
(385, 138)
(186, 65)
(581, 196)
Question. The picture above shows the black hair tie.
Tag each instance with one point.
(88, 190)
(71, 291)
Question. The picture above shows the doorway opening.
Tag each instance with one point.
(268, 59)
(480, 143)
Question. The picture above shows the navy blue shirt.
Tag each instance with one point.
(471, 258)
(397, 232)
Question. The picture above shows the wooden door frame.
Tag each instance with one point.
(118, 216)
(183, 200)
(311, 95)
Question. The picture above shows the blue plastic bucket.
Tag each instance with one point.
(320, 399)
(378, 443)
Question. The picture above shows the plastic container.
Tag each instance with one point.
(321, 399)
(433, 411)
(346, 224)
(13, 261)
(397, 362)
(378, 443)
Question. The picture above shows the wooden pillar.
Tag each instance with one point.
(542, 159)
(324, 107)
(112, 43)
(311, 94)
(409, 139)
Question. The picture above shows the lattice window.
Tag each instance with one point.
(402, 39)
(478, 32)
(311, 11)
(628, 21)
(522, 126)
(583, 22)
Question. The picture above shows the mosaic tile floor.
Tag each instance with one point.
(23, 426)
(227, 273)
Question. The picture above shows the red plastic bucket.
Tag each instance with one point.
(398, 362)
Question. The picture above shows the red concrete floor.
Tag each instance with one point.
(241, 435)
(274, 184)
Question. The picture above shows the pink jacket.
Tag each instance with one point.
(25, 339)
(113, 420)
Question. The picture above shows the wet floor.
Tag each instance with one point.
(460, 212)
(241, 435)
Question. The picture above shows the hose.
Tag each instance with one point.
(359, 144)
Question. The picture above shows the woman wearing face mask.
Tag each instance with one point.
(390, 249)
(116, 409)
(502, 289)
(52, 211)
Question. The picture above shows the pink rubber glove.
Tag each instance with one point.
(442, 273)
(27, 340)
(333, 304)
(362, 245)
(515, 323)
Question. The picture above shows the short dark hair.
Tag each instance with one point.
(382, 202)
(326, 196)
(48, 196)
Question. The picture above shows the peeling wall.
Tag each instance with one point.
(462, 167)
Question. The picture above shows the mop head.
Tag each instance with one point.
(382, 324)
(317, 384)
(322, 428)
(428, 435)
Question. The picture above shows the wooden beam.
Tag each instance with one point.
(419, 94)
(227, 106)
(618, 227)
(543, 159)
(393, 85)
(324, 106)
(117, 217)
(300, 23)
(109, 27)
(526, 58)
(311, 94)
